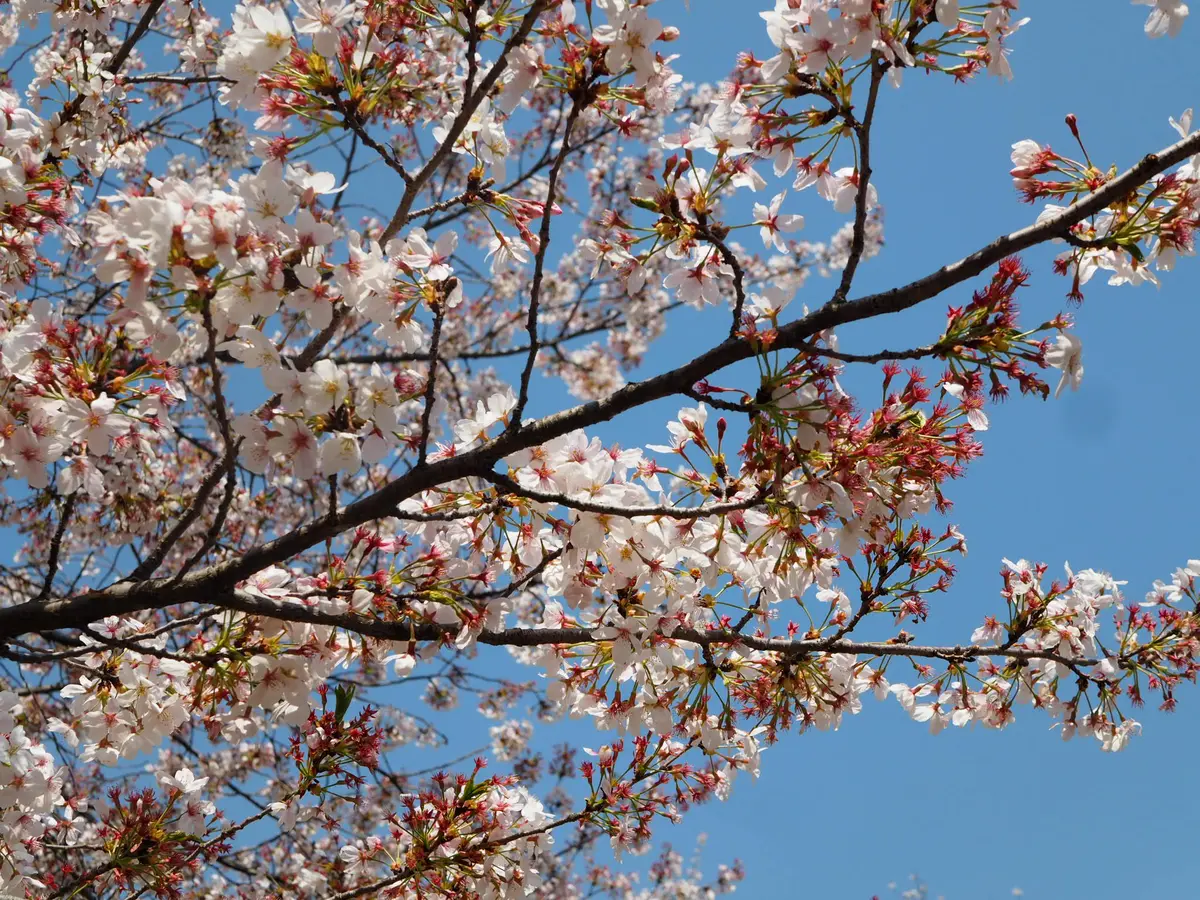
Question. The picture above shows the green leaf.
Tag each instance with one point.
(343, 694)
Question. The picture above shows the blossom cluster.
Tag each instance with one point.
(31, 794)
(286, 488)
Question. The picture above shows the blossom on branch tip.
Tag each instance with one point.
(1066, 355)
(1167, 17)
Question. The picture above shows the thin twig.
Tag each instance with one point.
(858, 237)
(224, 468)
(64, 518)
(439, 316)
(578, 104)
(612, 509)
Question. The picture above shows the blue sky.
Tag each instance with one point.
(1100, 478)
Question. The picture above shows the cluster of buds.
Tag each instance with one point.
(1150, 226)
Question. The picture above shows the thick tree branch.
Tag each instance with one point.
(566, 637)
(164, 78)
(123, 598)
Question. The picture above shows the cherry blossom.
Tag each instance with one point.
(324, 20)
(629, 34)
(290, 300)
(773, 224)
(1167, 17)
(1067, 355)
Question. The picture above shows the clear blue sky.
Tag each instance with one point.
(1102, 478)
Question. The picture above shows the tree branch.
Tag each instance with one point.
(578, 104)
(124, 598)
(858, 238)
(609, 509)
